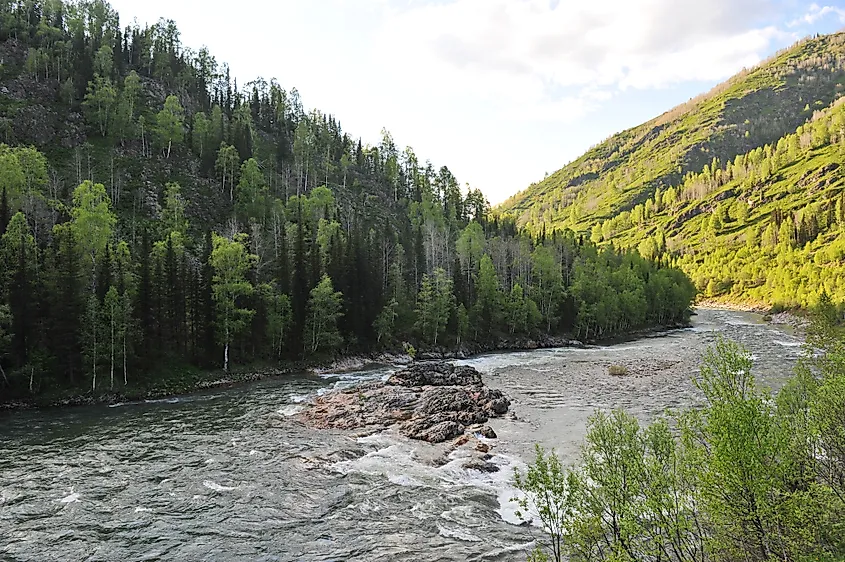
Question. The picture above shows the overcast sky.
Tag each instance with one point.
(500, 91)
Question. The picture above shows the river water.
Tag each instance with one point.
(230, 475)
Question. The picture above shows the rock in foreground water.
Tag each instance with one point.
(433, 402)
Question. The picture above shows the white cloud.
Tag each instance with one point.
(816, 13)
(536, 48)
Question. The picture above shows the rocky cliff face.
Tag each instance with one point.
(431, 401)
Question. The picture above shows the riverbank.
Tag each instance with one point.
(794, 318)
(183, 380)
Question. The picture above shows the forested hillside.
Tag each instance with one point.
(742, 187)
(155, 214)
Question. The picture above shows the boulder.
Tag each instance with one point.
(487, 432)
(481, 466)
(433, 373)
(430, 401)
(437, 433)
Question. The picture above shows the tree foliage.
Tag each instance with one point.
(751, 475)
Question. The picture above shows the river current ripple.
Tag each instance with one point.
(229, 475)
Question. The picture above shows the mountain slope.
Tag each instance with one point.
(740, 187)
(751, 109)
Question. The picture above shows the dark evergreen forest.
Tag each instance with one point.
(156, 215)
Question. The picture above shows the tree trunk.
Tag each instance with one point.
(5, 378)
(125, 382)
(111, 366)
(226, 347)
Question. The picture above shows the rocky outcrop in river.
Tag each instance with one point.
(430, 401)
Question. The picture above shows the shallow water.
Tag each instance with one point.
(230, 475)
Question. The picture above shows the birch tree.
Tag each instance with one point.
(169, 126)
(434, 304)
(231, 262)
(324, 309)
(93, 222)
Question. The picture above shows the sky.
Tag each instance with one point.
(500, 91)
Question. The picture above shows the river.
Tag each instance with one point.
(230, 475)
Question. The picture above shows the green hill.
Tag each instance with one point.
(741, 187)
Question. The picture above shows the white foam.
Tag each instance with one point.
(404, 480)
(142, 510)
(291, 409)
(163, 401)
(457, 533)
(346, 379)
(788, 343)
(298, 398)
(210, 484)
(73, 497)
(398, 461)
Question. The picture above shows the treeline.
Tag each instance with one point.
(751, 475)
(197, 223)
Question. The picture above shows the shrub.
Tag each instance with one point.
(618, 370)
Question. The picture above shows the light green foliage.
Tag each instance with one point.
(462, 321)
(325, 308)
(551, 493)
(385, 322)
(548, 287)
(93, 221)
(16, 245)
(23, 171)
(279, 316)
(523, 316)
(434, 305)
(11, 174)
(252, 195)
(33, 165)
(320, 202)
(169, 128)
(231, 262)
(104, 61)
(227, 167)
(487, 310)
(173, 215)
(200, 133)
(99, 103)
(124, 122)
(328, 233)
(470, 246)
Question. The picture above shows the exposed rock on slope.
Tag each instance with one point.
(432, 402)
